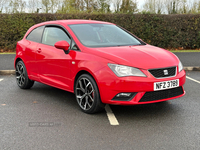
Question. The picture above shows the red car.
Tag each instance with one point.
(100, 62)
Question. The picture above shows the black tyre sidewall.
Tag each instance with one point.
(28, 83)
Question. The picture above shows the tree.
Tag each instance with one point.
(2, 4)
(73, 6)
(54, 5)
(103, 6)
(154, 6)
(34, 6)
(91, 5)
(183, 7)
(17, 6)
(172, 6)
(128, 6)
(67, 6)
(117, 4)
(149, 6)
(159, 6)
(47, 5)
(166, 6)
(195, 7)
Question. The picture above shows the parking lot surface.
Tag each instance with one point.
(48, 118)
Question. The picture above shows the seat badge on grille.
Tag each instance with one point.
(165, 72)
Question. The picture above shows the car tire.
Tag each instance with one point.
(87, 95)
(22, 77)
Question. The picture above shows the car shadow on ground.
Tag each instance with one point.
(162, 110)
(53, 95)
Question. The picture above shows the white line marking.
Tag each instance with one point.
(1, 80)
(111, 116)
(193, 79)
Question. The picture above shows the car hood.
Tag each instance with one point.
(142, 56)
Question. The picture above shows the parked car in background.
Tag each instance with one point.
(100, 62)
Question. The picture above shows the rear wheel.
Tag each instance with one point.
(87, 94)
(22, 77)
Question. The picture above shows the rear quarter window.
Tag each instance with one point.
(36, 34)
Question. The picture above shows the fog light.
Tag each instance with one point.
(124, 96)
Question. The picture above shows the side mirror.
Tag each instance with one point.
(62, 45)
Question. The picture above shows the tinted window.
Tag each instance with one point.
(36, 35)
(103, 35)
(53, 35)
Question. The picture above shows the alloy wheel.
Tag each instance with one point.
(85, 94)
(20, 74)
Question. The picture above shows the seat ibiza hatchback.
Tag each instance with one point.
(100, 62)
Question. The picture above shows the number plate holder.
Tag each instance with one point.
(166, 85)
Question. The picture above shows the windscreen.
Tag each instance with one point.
(103, 35)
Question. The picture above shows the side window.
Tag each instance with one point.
(54, 34)
(36, 35)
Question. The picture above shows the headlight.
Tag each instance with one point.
(123, 71)
(180, 67)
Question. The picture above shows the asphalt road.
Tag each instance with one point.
(188, 60)
(7, 61)
(48, 118)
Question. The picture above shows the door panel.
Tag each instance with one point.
(53, 63)
(31, 42)
(30, 52)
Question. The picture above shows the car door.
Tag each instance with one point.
(32, 41)
(53, 63)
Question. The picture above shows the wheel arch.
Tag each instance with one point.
(17, 60)
(20, 59)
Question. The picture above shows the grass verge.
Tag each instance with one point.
(8, 53)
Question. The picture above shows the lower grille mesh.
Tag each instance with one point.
(163, 94)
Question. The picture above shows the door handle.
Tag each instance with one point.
(39, 50)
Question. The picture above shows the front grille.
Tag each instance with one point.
(163, 94)
(163, 72)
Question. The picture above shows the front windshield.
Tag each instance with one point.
(103, 35)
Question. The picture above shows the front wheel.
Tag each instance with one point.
(22, 77)
(87, 94)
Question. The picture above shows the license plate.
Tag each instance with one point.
(166, 85)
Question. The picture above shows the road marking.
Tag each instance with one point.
(193, 79)
(1, 80)
(111, 116)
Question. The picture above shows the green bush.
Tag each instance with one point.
(166, 31)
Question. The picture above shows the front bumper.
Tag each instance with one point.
(110, 85)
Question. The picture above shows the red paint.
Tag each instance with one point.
(52, 66)
(62, 45)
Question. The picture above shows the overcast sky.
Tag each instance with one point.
(140, 3)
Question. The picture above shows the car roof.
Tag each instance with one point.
(72, 21)
(79, 21)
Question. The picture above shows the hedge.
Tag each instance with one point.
(166, 31)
